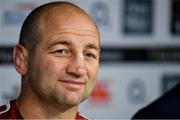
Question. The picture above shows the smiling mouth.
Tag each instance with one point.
(73, 84)
(73, 81)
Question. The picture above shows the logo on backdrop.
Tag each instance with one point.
(13, 17)
(100, 94)
(136, 91)
(138, 16)
(175, 17)
(100, 13)
(15, 14)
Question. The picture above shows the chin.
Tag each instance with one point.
(71, 100)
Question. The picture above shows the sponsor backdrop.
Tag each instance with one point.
(139, 59)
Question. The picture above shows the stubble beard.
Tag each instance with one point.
(68, 98)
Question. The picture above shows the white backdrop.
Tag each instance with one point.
(122, 88)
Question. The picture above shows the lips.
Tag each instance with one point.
(73, 84)
(73, 81)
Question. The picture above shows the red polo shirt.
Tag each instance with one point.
(13, 113)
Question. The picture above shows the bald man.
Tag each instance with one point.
(58, 59)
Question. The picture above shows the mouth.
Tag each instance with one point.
(73, 84)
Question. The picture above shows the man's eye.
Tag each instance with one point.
(91, 55)
(62, 51)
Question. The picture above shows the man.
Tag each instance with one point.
(58, 58)
(166, 107)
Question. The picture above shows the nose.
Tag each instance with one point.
(76, 66)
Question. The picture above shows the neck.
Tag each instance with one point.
(30, 107)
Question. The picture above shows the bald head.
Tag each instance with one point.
(50, 16)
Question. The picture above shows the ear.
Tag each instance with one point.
(20, 57)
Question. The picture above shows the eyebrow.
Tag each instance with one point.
(92, 46)
(60, 41)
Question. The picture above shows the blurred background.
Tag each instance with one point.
(139, 59)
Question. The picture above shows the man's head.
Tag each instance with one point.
(30, 33)
(58, 54)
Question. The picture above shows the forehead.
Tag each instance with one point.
(66, 16)
(58, 22)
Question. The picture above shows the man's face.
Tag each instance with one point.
(64, 66)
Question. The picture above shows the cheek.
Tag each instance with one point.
(52, 66)
(93, 71)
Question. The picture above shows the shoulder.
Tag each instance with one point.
(10, 111)
(4, 110)
(163, 107)
(79, 116)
